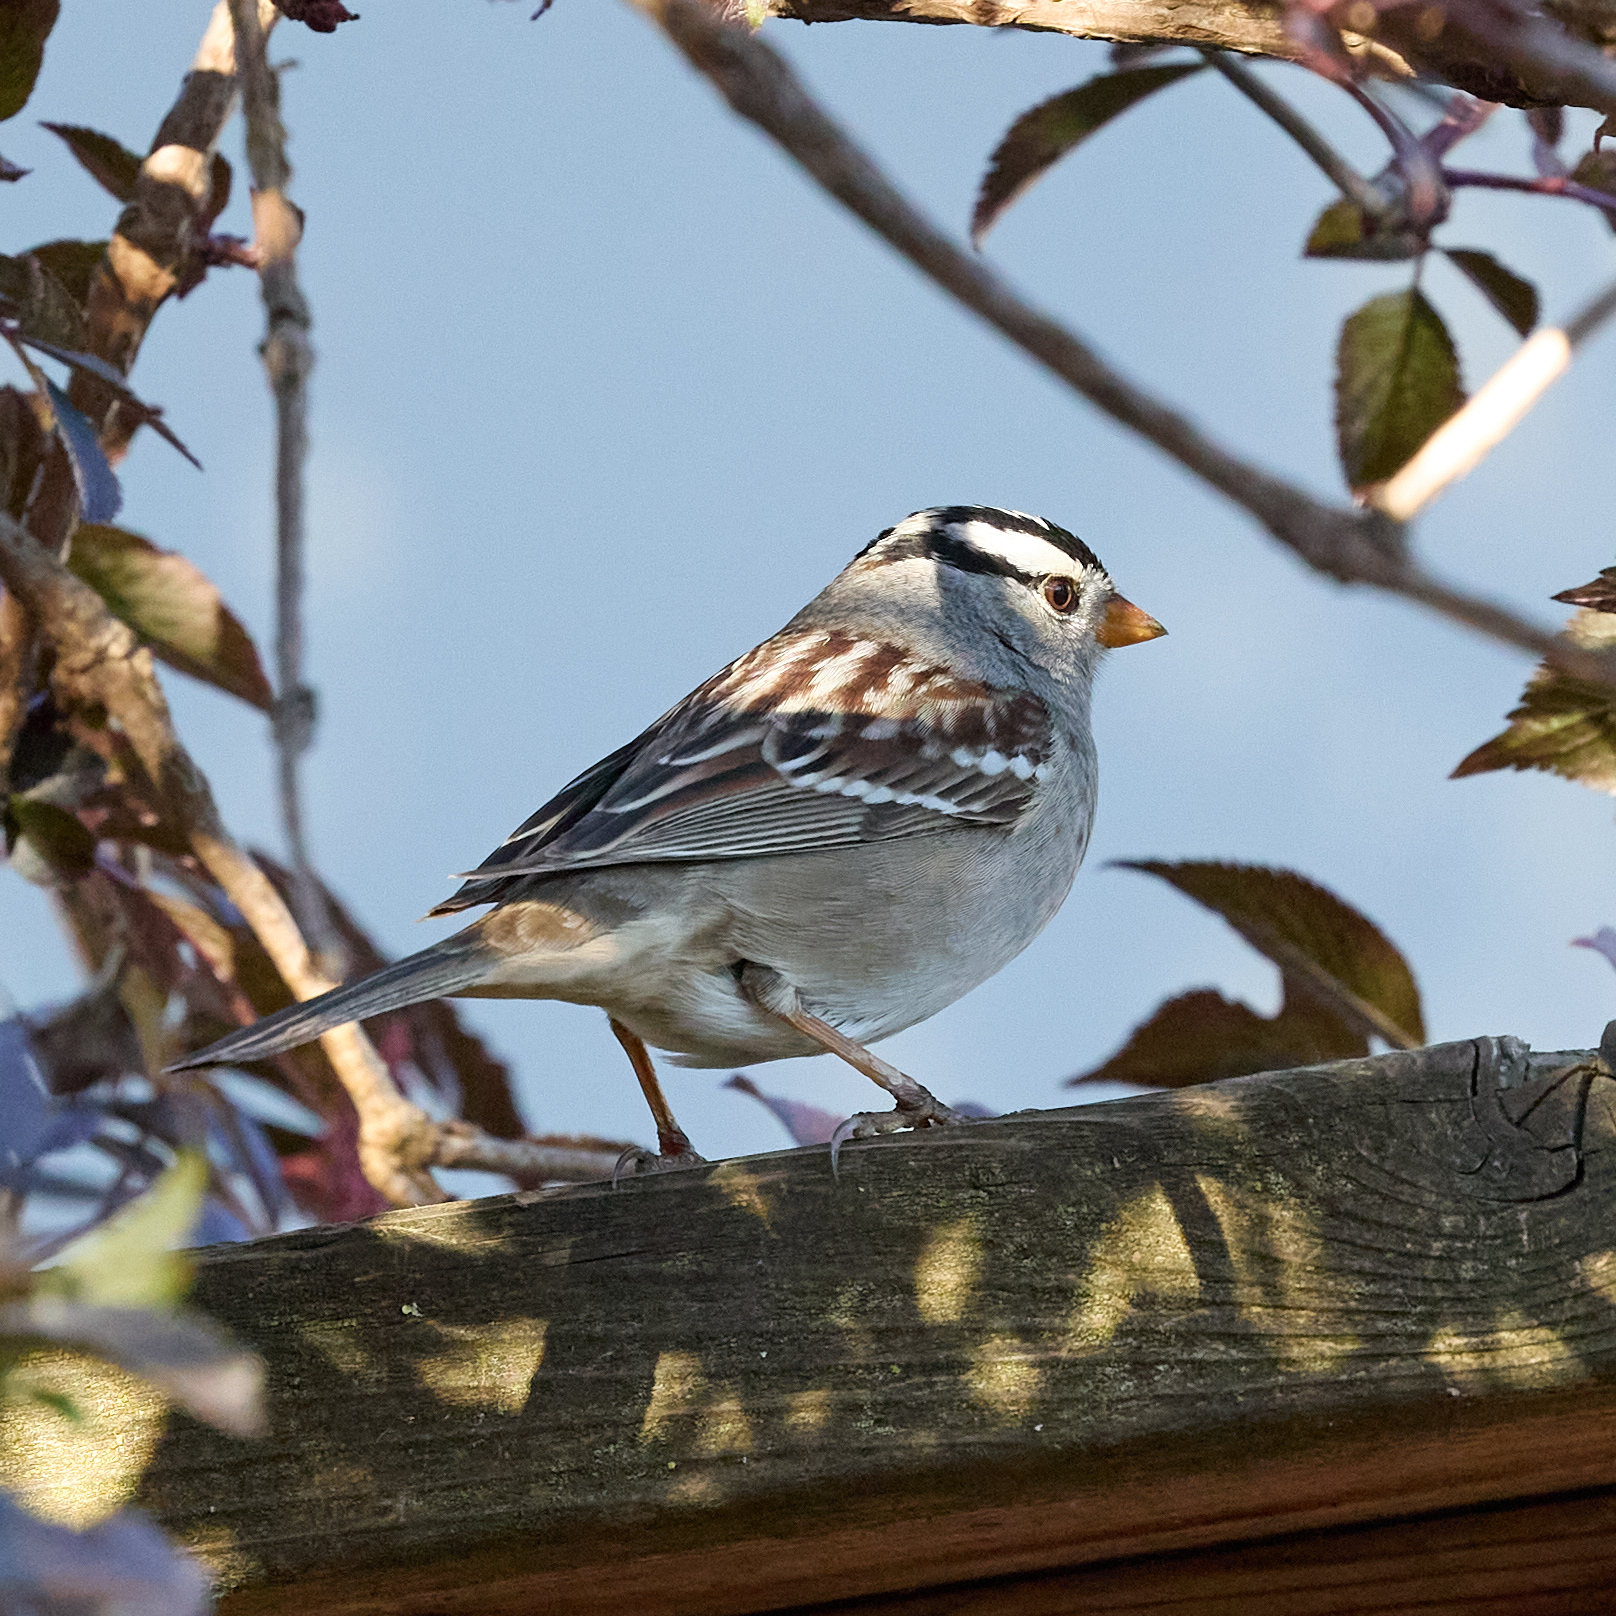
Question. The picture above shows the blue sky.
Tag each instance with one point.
(607, 389)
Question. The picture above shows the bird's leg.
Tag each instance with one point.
(673, 1143)
(917, 1106)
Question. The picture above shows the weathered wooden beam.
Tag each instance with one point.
(1069, 1360)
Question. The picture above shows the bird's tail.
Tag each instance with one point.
(445, 968)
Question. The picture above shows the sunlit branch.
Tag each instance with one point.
(1353, 546)
(1352, 185)
(1496, 409)
(288, 359)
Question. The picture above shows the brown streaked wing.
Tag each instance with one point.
(780, 753)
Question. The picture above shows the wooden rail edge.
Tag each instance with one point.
(1050, 1362)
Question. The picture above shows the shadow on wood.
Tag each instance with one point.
(1110, 1358)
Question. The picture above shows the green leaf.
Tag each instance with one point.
(46, 310)
(24, 27)
(72, 263)
(112, 165)
(1200, 1037)
(1598, 596)
(128, 1262)
(1397, 381)
(1514, 298)
(1040, 137)
(1331, 956)
(173, 607)
(1597, 170)
(60, 838)
(1343, 230)
(61, 1403)
(1563, 725)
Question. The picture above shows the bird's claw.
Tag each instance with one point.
(636, 1160)
(926, 1111)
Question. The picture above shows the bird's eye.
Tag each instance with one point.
(1060, 594)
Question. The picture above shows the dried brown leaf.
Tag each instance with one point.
(170, 603)
(1564, 725)
(1330, 955)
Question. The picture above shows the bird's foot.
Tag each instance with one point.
(637, 1160)
(921, 1110)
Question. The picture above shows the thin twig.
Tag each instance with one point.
(1460, 444)
(288, 359)
(1351, 184)
(1544, 185)
(1351, 546)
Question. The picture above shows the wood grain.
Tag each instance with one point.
(1041, 1353)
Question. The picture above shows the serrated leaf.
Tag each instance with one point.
(1598, 596)
(171, 604)
(24, 27)
(128, 1262)
(1597, 170)
(1330, 955)
(1042, 136)
(1563, 725)
(72, 263)
(1343, 230)
(1514, 298)
(57, 836)
(1200, 1037)
(1397, 381)
(107, 161)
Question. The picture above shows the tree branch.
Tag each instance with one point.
(1460, 444)
(1492, 51)
(1349, 545)
(160, 245)
(1351, 184)
(288, 361)
(99, 662)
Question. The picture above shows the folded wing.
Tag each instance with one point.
(813, 740)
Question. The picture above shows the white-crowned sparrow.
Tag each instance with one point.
(830, 840)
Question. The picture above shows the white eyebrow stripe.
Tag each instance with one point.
(1026, 552)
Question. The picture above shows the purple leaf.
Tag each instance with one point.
(184, 1355)
(121, 1565)
(99, 493)
(23, 1103)
(1603, 942)
(807, 1124)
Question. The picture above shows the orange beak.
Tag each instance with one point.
(1125, 624)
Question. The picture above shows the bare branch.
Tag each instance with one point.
(161, 242)
(1495, 52)
(98, 661)
(1352, 185)
(1349, 545)
(288, 359)
(1460, 444)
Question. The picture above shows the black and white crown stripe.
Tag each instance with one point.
(982, 539)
